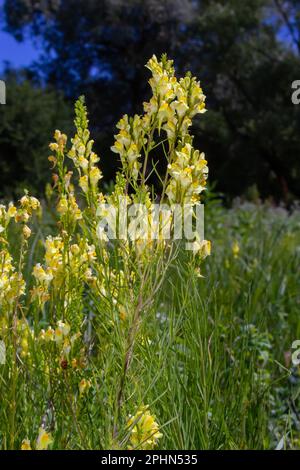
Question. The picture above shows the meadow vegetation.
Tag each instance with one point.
(138, 343)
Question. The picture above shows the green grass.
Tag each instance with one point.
(218, 350)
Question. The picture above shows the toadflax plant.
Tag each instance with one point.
(72, 328)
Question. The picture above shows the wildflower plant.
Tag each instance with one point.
(72, 330)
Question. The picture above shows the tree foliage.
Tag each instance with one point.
(26, 127)
(247, 54)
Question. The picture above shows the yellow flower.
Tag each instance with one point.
(41, 275)
(22, 216)
(95, 176)
(34, 203)
(235, 249)
(53, 147)
(144, 430)
(75, 250)
(84, 183)
(58, 334)
(26, 444)
(49, 334)
(62, 206)
(206, 248)
(11, 212)
(26, 231)
(65, 327)
(30, 203)
(202, 248)
(74, 363)
(122, 313)
(117, 147)
(44, 440)
(84, 386)
(83, 163)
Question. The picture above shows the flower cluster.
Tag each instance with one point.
(174, 103)
(129, 143)
(61, 336)
(6, 214)
(67, 206)
(144, 430)
(81, 152)
(27, 206)
(24, 336)
(171, 108)
(58, 146)
(12, 284)
(76, 262)
(189, 173)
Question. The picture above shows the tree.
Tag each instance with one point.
(27, 122)
(253, 128)
(245, 53)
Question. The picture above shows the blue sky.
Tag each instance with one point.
(18, 54)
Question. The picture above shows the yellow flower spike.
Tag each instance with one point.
(26, 445)
(44, 440)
